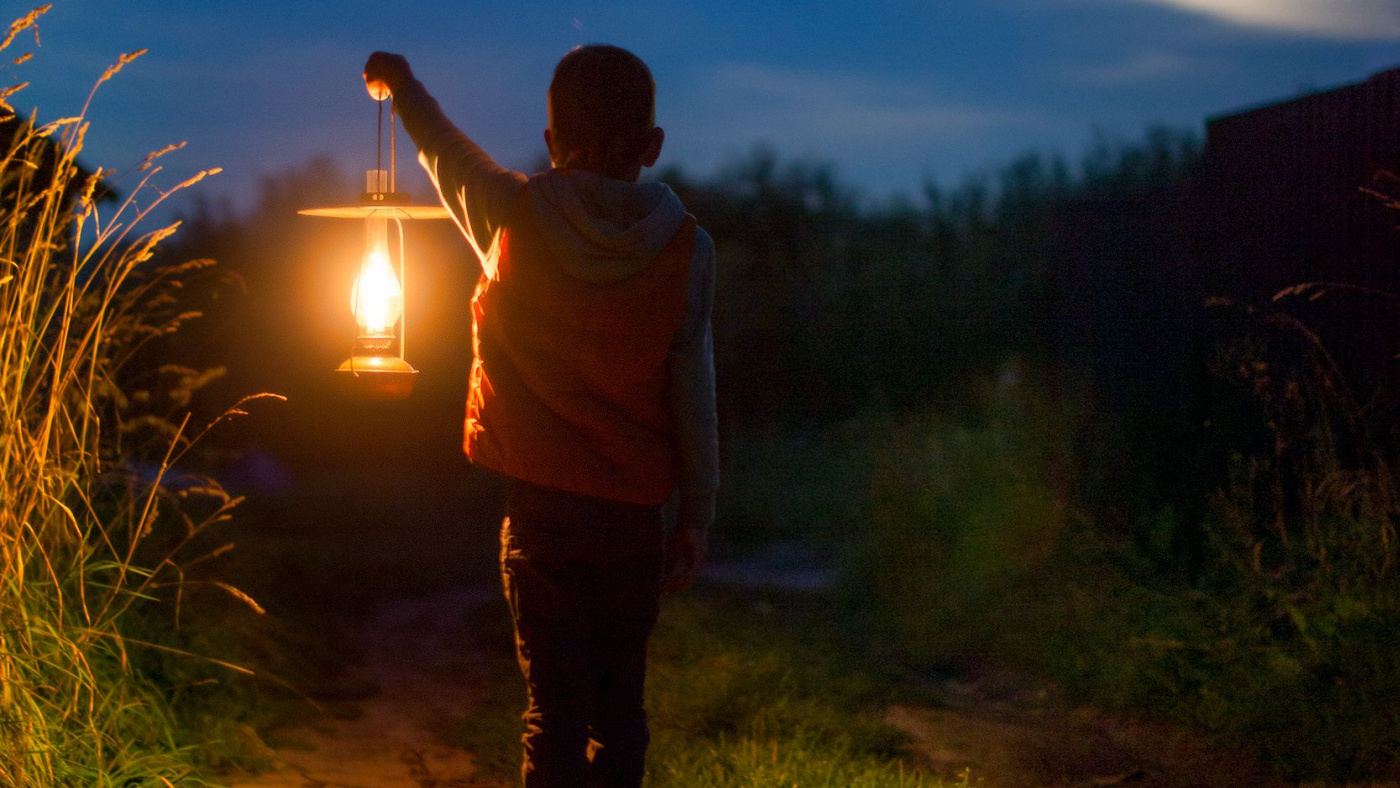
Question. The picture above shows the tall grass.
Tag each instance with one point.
(1295, 648)
(94, 523)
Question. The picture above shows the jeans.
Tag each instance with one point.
(582, 576)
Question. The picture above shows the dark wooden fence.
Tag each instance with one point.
(1283, 189)
(1282, 201)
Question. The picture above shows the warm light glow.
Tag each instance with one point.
(377, 298)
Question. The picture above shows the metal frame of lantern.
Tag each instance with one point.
(377, 369)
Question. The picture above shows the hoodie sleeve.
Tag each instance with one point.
(692, 363)
(473, 187)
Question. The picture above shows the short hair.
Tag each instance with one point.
(602, 107)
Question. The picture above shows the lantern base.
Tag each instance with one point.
(376, 377)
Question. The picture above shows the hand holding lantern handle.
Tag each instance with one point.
(384, 73)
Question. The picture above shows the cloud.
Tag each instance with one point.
(1146, 67)
(822, 109)
(1354, 19)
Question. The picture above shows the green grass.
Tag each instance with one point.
(741, 691)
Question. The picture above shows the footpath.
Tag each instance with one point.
(425, 669)
(1000, 731)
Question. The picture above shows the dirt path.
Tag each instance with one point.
(1006, 731)
(1011, 739)
(1012, 731)
(423, 664)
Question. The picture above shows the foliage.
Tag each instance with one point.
(1288, 622)
(980, 539)
(959, 523)
(855, 304)
(1199, 522)
(96, 520)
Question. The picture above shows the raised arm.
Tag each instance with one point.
(472, 186)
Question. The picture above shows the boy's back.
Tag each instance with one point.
(573, 336)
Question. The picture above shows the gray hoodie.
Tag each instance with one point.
(602, 230)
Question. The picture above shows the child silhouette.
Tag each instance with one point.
(592, 392)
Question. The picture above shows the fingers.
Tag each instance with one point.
(384, 73)
(377, 89)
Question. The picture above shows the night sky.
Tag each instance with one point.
(894, 92)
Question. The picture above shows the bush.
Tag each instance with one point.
(990, 538)
(959, 522)
(1304, 554)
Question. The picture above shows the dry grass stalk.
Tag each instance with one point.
(78, 298)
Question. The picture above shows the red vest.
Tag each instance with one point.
(569, 388)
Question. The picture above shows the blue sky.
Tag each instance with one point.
(891, 91)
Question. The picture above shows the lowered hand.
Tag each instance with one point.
(686, 549)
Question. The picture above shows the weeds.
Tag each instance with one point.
(1299, 599)
(95, 520)
(987, 539)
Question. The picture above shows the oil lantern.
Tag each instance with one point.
(377, 368)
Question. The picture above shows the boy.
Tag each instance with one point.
(592, 391)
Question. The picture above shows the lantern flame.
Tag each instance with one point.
(377, 298)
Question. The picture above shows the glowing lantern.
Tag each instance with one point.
(377, 369)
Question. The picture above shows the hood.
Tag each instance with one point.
(603, 230)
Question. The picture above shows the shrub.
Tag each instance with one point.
(959, 523)
(988, 539)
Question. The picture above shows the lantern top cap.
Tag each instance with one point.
(379, 201)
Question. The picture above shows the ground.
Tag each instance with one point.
(406, 587)
(1008, 739)
(425, 669)
(422, 668)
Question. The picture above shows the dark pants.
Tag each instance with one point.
(582, 576)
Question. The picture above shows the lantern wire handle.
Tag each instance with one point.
(393, 148)
(379, 138)
(403, 289)
(398, 224)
